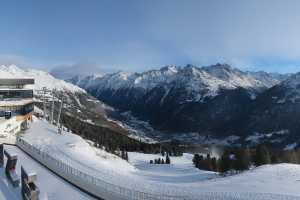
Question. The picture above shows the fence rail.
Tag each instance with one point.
(87, 182)
(108, 191)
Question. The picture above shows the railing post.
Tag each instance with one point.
(10, 169)
(29, 190)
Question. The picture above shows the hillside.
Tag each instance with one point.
(82, 113)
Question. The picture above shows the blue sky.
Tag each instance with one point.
(137, 35)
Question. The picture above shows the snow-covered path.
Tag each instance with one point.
(180, 179)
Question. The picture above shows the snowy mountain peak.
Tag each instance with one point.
(293, 81)
(205, 80)
(42, 78)
(170, 69)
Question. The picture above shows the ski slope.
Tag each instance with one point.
(180, 179)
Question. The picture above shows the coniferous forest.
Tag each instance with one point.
(243, 158)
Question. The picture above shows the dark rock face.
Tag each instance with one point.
(275, 110)
(220, 114)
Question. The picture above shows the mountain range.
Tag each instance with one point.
(205, 103)
(213, 104)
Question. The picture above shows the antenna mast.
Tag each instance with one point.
(59, 113)
(44, 101)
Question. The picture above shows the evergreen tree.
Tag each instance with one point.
(214, 164)
(290, 157)
(196, 159)
(208, 156)
(242, 159)
(123, 154)
(168, 161)
(275, 158)
(162, 161)
(225, 163)
(207, 163)
(262, 155)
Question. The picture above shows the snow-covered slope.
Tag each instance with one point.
(269, 79)
(71, 147)
(42, 78)
(181, 179)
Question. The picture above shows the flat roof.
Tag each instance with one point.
(16, 81)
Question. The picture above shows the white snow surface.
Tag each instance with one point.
(279, 181)
(72, 147)
(42, 78)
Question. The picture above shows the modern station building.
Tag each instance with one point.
(16, 105)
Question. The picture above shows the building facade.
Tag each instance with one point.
(16, 105)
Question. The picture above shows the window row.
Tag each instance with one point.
(9, 94)
(16, 110)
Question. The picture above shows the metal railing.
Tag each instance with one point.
(94, 185)
(109, 191)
